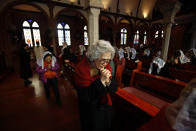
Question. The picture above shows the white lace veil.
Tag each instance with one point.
(147, 52)
(40, 61)
(121, 53)
(158, 61)
(128, 51)
(134, 52)
(183, 58)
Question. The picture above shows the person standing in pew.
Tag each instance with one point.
(94, 84)
(178, 116)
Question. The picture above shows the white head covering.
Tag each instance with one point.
(128, 49)
(134, 52)
(186, 118)
(82, 49)
(141, 45)
(147, 52)
(159, 54)
(121, 53)
(158, 61)
(183, 58)
(40, 61)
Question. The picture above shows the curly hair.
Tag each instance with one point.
(96, 49)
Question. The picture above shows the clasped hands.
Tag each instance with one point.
(105, 76)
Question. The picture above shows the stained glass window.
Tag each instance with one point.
(162, 34)
(136, 37)
(123, 36)
(145, 37)
(63, 33)
(85, 35)
(31, 33)
(156, 34)
(36, 36)
(28, 37)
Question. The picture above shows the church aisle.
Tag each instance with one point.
(26, 108)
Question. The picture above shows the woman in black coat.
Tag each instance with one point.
(25, 68)
(94, 85)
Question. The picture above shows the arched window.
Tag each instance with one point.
(145, 37)
(85, 35)
(123, 36)
(162, 34)
(31, 33)
(136, 37)
(156, 34)
(63, 31)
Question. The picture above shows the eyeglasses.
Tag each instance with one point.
(105, 61)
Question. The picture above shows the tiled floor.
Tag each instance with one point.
(26, 108)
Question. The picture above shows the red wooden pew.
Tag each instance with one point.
(182, 74)
(149, 93)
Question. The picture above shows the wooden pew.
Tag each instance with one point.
(118, 76)
(130, 64)
(149, 93)
(187, 67)
(183, 75)
(158, 86)
(119, 73)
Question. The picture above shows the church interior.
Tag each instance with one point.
(155, 59)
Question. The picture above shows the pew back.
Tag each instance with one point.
(183, 75)
(158, 86)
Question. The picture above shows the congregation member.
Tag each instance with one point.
(82, 50)
(156, 65)
(191, 54)
(25, 67)
(133, 53)
(122, 57)
(183, 58)
(48, 67)
(94, 84)
(127, 50)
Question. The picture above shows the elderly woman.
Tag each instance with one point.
(179, 115)
(94, 84)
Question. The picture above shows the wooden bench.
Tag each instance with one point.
(158, 86)
(149, 93)
(119, 73)
(182, 74)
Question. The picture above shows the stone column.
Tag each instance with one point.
(52, 27)
(93, 24)
(169, 10)
(166, 40)
(94, 7)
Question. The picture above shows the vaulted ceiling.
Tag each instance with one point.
(135, 8)
(144, 9)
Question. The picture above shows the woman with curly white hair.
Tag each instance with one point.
(94, 84)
